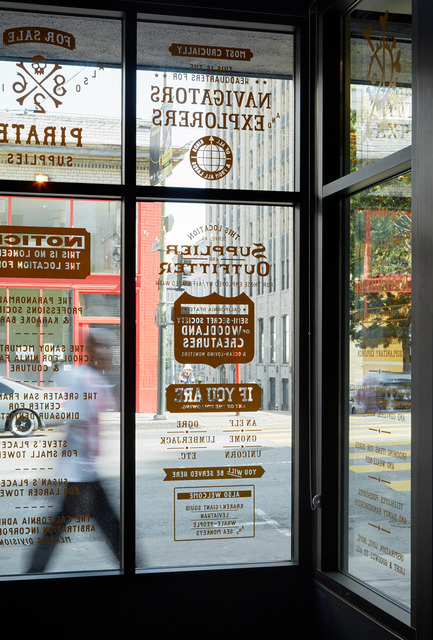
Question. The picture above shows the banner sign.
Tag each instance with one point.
(35, 252)
(214, 329)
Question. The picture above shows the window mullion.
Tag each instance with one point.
(128, 289)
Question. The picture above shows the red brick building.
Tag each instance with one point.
(148, 229)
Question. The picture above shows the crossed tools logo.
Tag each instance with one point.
(39, 80)
(51, 87)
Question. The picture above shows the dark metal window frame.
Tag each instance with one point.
(129, 193)
(330, 399)
(319, 373)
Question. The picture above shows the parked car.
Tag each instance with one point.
(26, 407)
(385, 391)
(354, 406)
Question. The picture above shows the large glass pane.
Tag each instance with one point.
(214, 384)
(59, 389)
(378, 454)
(215, 110)
(102, 220)
(60, 98)
(380, 80)
(52, 212)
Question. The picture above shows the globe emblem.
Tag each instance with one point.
(211, 158)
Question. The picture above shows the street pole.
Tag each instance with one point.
(162, 327)
(162, 306)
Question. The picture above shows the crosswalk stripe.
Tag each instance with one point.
(399, 485)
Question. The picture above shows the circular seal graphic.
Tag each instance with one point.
(211, 158)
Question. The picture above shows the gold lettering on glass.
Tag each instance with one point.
(384, 66)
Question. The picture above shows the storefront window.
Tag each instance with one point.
(380, 80)
(30, 316)
(378, 443)
(213, 281)
(49, 212)
(3, 210)
(100, 304)
(60, 98)
(59, 389)
(213, 112)
(102, 219)
(214, 424)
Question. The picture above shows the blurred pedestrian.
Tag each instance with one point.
(84, 495)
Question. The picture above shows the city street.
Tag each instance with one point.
(215, 489)
(262, 528)
(249, 521)
(378, 502)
